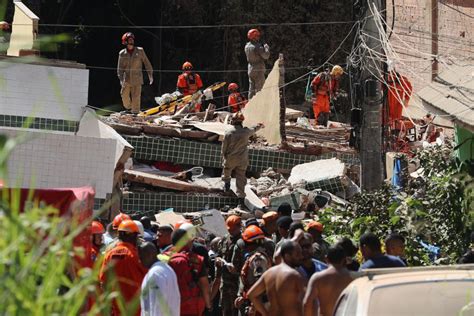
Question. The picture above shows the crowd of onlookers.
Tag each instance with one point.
(274, 265)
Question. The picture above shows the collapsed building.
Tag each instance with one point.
(176, 162)
(168, 160)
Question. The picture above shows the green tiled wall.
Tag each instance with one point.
(38, 123)
(150, 202)
(333, 185)
(181, 151)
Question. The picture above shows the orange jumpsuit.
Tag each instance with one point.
(323, 86)
(189, 83)
(127, 270)
(236, 102)
(399, 90)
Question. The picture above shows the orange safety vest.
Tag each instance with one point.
(236, 102)
(125, 264)
(189, 83)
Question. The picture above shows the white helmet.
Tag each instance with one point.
(140, 228)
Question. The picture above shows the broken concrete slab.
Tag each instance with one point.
(164, 182)
(264, 108)
(291, 114)
(252, 201)
(213, 222)
(317, 171)
(168, 218)
(214, 127)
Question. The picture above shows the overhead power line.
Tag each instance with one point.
(98, 26)
(456, 9)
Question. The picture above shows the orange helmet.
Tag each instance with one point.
(126, 36)
(118, 219)
(128, 226)
(316, 225)
(233, 221)
(233, 87)
(252, 233)
(97, 228)
(187, 66)
(253, 34)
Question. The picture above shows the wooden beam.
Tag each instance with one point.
(164, 182)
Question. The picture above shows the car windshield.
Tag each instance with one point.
(437, 297)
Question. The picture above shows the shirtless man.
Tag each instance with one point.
(283, 285)
(326, 286)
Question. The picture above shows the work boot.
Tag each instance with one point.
(226, 187)
(241, 204)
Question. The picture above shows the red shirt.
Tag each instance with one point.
(127, 270)
(189, 267)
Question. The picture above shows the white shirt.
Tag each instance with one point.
(160, 293)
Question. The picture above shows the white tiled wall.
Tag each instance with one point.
(54, 160)
(43, 91)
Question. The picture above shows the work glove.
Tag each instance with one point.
(266, 46)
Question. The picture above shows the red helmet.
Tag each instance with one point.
(118, 219)
(128, 226)
(233, 87)
(126, 36)
(253, 34)
(187, 66)
(97, 228)
(252, 233)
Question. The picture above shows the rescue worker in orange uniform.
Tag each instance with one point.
(399, 93)
(122, 265)
(189, 82)
(324, 87)
(97, 231)
(236, 100)
(111, 240)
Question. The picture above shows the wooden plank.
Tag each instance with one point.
(164, 182)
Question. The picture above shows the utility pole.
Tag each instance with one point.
(434, 38)
(282, 99)
(372, 172)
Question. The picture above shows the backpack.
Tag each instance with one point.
(254, 266)
(187, 266)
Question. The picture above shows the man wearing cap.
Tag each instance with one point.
(122, 264)
(164, 237)
(235, 154)
(320, 246)
(230, 276)
(270, 224)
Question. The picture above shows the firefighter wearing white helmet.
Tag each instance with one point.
(235, 154)
(256, 53)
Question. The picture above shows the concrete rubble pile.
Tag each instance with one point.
(170, 142)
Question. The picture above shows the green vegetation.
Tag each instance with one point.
(37, 275)
(437, 208)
